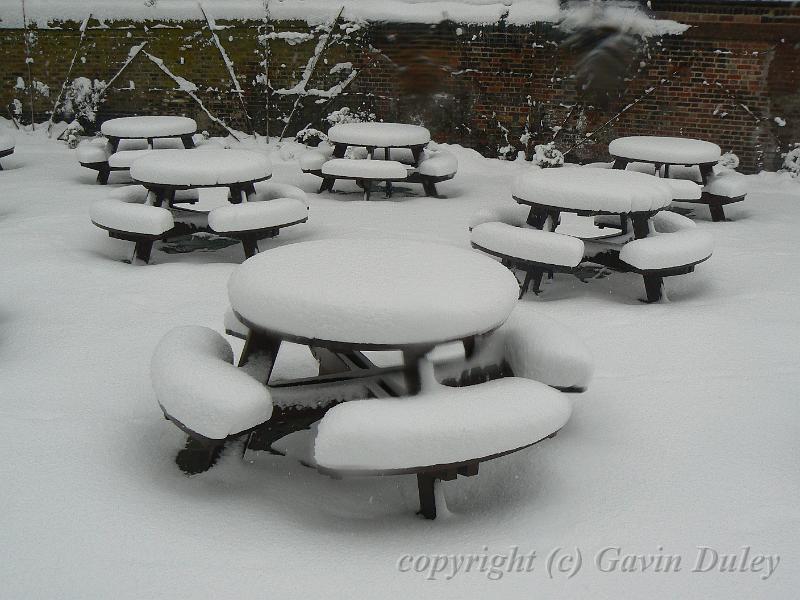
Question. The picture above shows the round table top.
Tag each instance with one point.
(665, 150)
(379, 135)
(372, 293)
(200, 168)
(582, 189)
(148, 127)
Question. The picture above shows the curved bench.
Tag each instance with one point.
(531, 250)
(722, 189)
(529, 345)
(125, 217)
(200, 390)
(671, 222)
(511, 214)
(364, 172)
(95, 154)
(257, 219)
(440, 433)
(272, 190)
(6, 146)
(435, 167)
(663, 255)
(311, 162)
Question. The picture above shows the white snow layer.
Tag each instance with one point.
(683, 189)
(730, 185)
(331, 290)
(667, 221)
(529, 244)
(272, 190)
(365, 168)
(196, 383)
(148, 127)
(439, 164)
(124, 158)
(673, 150)
(113, 213)
(201, 168)
(608, 190)
(444, 425)
(251, 216)
(318, 12)
(512, 214)
(379, 134)
(661, 251)
(312, 160)
(6, 141)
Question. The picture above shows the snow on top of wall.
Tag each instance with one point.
(316, 12)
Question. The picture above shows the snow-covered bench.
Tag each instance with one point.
(257, 219)
(530, 250)
(200, 390)
(6, 146)
(363, 172)
(665, 254)
(126, 216)
(440, 433)
(721, 188)
(434, 167)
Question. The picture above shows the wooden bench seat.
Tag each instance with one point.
(201, 391)
(440, 433)
(663, 255)
(530, 250)
(6, 146)
(252, 221)
(363, 172)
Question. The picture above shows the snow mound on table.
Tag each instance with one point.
(128, 216)
(196, 383)
(442, 426)
(379, 134)
(252, 216)
(661, 149)
(367, 169)
(662, 251)
(201, 168)
(90, 153)
(147, 127)
(6, 142)
(606, 190)
(331, 290)
(529, 244)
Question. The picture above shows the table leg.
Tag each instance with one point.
(259, 354)
(706, 170)
(188, 141)
(666, 171)
(620, 163)
(114, 143)
(248, 192)
(417, 152)
(339, 150)
(327, 184)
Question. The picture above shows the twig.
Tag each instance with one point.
(352, 78)
(132, 53)
(28, 61)
(310, 70)
(69, 74)
(189, 88)
(267, 58)
(13, 118)
(226, 59)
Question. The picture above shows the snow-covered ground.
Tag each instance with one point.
(688, 437)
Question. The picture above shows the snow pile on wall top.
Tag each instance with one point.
(314, 12)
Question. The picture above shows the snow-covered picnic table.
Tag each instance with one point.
(378, 135)
(665, 152)
(630, 198)
(342, 297)
(149, 128)
(165, 171)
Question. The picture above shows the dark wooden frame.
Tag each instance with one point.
(3, 153)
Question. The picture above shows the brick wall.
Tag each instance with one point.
(725, 80)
